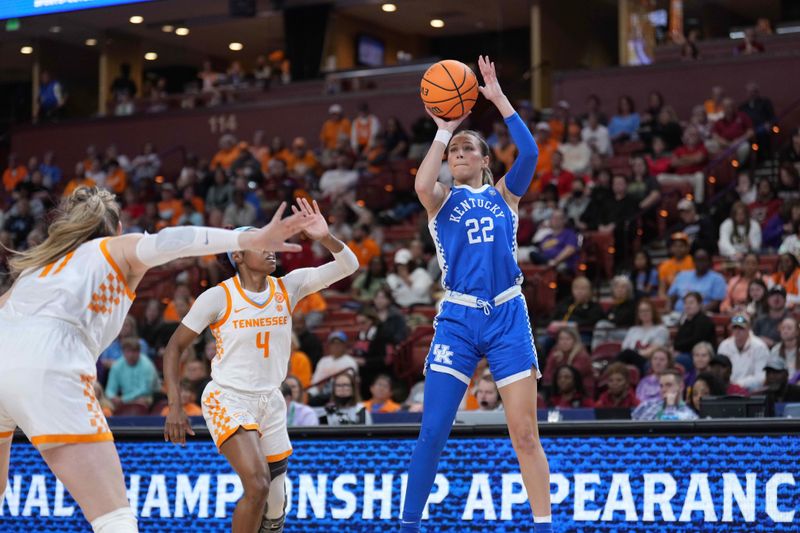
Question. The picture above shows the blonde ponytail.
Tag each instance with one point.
(88, 213)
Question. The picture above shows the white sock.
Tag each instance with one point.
(543, 519)
(119, 521)
(276, 499)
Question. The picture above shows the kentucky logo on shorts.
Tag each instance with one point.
(442, 354)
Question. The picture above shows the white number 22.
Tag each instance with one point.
(475, 230)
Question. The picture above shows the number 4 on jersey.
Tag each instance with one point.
(263, 342)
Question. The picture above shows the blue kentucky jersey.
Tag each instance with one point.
(475, 233)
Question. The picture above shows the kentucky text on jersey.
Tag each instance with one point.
(465, 205)
(260, 322)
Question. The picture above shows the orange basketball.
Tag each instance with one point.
(449, 89)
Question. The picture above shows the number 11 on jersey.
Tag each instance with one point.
(262, 341)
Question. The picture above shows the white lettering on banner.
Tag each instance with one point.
(480, 498)
(660, 499)
(384, 495)
(37, 497)
(133, 493)
(225, 497)
(403, 485)
(620, 485)
(11, 497)
(59, 509)
(438, 494)
(310, 494)
(156, 497)
(562, 488)
(772, 497)
(344, 495)
(698, 483)
(511, 497)
(190, 496)
(584, 495)
(745, 499)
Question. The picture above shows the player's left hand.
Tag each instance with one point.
(316, 226)
(491, 88)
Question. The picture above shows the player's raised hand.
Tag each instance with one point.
(491, 87)
(272, 237)
(177, 426)
(317, 226)
(449, 125)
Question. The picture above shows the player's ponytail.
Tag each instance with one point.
(88, 213)
(486, 173)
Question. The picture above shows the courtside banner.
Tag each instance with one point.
(661, 483)
(30, 8)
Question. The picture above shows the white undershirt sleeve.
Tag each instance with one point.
(304, 281)
(208, 308)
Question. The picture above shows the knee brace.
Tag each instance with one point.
(119, 521)
(276, 502)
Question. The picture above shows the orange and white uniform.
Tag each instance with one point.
(56, 322)
(253, 332)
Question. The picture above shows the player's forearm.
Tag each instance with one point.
(428, 172)
(331, 243)
(504, 106)
(171, 375)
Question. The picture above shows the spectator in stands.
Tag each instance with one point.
(576, 151)
(558, 176)
(734, 128)
(694, 325)
(240, 213)
(299, 363)
(619, 392)
(79, 180)
(559, 120)
(102, 399)
(702, 354)
(298, 393)
(339, 180)
(709, 284)
(748, 354)
(50, 171)
(548, 145)
(767, 207)
(721, 367)
(668, 127)
(505, 151)
(577, 311)
(791, 152)
(788, 276)
(704, 385)
(396, 139)
(146, 165)
(363, 245)
(648, 335)
(487, 395)
(567, 391)
(20, 222)
(788, 183)
(313, 308)
(220, 194)
(364, 129)
(14, 174)
(574, 205)
(687, 163)
(787, 348)
(791, 244)
(410, 283)
(660, 158)
(188, 400)
(555, 246)
(668, 404)
(297, 414)
(123, 91)
(345, 407)
(337, 360)
(301, 161)
(620, 219)
(766, 326)
(50, 98)
(739, 234)
(228, 152)
(698, 228)
(757, 298)
(745, 188)
(643, 275)
(133, 379)
(655, 103)
(646, 192)
(738, 286)
(713, 105)
(596, 136)
(776, 382)
(625, 124)
(621, 315)
(569, 350)
(750, 44)
(381, 396)
(761, 113)
(389, 325)
(370, 280)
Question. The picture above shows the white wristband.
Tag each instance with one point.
(443, 136)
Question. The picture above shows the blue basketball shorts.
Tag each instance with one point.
(463, 335)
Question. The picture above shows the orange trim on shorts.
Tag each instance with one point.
(230, 432)
(72, 439)
(115, 267)
(6, 434)
(279, 457)
(228, 305)
(248, 300)
(285, 295)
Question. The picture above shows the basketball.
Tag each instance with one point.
(449, 89)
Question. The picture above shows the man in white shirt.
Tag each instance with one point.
(409, 283)
(577, 154)
(337, 360)
(748, 354)
(596, 135)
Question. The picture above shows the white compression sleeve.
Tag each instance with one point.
(119, 521)
(185, 241)
(276, 499)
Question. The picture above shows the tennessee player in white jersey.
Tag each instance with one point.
(66, 305)
(250, 316)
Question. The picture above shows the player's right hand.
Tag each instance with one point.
(272, 237)
(449, 125)
(177, 426)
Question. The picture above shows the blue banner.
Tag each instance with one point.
(28, 8)
(666, 483)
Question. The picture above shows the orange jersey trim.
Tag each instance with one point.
(115, 267)
(72, 439)
(229, 433)
(47, 269)
(248, 300)
(6, 434)
(64, 262)
(285, 295)
(279, 457)
(228, 305)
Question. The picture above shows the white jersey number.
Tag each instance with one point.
(478, 229)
